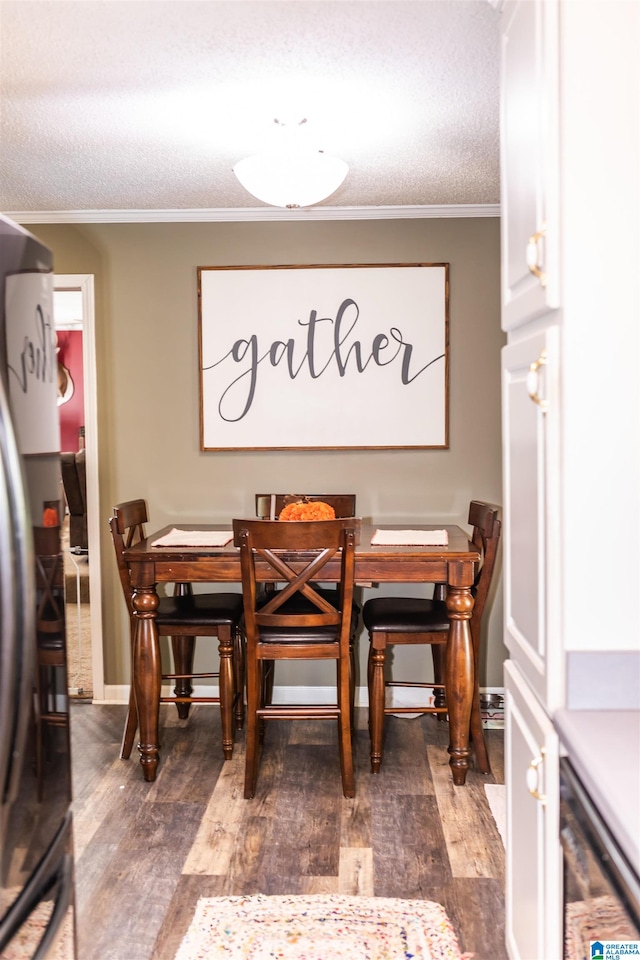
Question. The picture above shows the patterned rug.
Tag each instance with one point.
(597, 918)
(321, 927)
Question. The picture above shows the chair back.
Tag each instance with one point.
(50, 610)
(295, 554)
(483, 517)
(127, 527)
(270, 505)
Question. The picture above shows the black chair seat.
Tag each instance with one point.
(405, 615)
(200, 609)
(293, 636)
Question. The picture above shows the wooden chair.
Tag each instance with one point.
(297, 622)
(183, 617)
(51, 692)
(411, 620)
(267, 504)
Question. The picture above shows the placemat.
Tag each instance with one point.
(194, 538)
(410, 538)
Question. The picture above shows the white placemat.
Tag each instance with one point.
(194, 538)
(410, 538)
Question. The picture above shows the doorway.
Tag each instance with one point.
(74, 311)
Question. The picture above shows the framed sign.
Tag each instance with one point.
(324, 357)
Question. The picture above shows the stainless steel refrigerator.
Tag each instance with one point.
(36, 844)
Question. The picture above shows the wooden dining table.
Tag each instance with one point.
(454, 565)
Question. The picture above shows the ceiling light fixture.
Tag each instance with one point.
(293, 174)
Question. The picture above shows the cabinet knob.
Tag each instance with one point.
(533, 778)
(533, 381)
(535, 255)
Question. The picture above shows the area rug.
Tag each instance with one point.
(320, 927)
(27, 938)
(598, 918)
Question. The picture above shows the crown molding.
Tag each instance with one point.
(256, 214)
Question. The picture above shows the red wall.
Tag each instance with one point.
(71, 412)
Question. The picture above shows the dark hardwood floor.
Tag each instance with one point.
(146, 852)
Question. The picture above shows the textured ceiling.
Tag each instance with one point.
(147, 104)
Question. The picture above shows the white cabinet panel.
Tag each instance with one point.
(529, 160)
(533, 856)
(530, 485)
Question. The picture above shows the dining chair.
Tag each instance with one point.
(413, 620)
(297, 622)
(51, 694)
(269, 506)
(183, 617)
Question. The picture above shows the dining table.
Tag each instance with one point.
(453, 564)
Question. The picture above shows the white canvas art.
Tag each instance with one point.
(323, 357)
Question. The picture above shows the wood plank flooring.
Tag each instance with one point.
(145, 852)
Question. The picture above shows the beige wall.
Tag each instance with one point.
(148, 402)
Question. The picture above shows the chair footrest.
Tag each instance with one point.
(283, 711)
(413, 683)
(391, 711)
(189, 676)
(189, 699)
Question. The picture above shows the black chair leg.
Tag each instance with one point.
(183, 650)
(438, 652)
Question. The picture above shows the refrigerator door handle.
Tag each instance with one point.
(54, 870)
(60, 909)
(17, 608)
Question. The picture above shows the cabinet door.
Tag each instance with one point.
(531, 515)
(533, 869)
(529, 159)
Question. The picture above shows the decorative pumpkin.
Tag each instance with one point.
(307, 510)
(50, 517)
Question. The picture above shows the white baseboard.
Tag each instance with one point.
(119, 693)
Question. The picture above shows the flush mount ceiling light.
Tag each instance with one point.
(292, 174)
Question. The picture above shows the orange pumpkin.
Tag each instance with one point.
(50, 517)
(307, 510)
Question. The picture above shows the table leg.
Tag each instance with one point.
(147, 677)
(459, 679)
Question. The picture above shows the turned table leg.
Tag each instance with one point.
(459, 680)
(147, 677)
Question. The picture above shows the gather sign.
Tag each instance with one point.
(323, 357)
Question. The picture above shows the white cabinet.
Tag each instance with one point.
(533, 861)
(534, 673)
(530, 430)
(531, 361)
(529, 160)
(571, 399)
